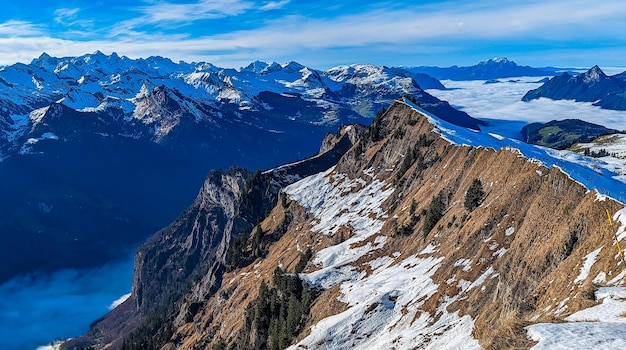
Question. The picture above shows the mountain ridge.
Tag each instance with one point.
(593, 86)
(485, 70)
(476, 278)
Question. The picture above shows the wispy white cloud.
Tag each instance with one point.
(63, 15)
(19, 29)
(274, 5)
(164, 12)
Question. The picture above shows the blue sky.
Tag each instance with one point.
(321, 34)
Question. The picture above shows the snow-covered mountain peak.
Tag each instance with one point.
(497, 60)
(116, 85)
(256, 66)
(292, 67)
(593, 75)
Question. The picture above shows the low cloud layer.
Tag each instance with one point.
(37, 309)
(503, 101)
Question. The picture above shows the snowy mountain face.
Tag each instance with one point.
(119, 86)
(382, 251)
(125, 143)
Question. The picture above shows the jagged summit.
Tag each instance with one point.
(594, 74)
(257, 66)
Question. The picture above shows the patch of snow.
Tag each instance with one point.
(600, 326)
(589, 260)
(600, 197)
(466, 263)
(117, 302)
(329, 197)
(561, 307)
(496, 136)
(499, 252)
(430, 248)
(620, 217)
(600, 278)
(54, 346)
(509, 231)
(384, 312)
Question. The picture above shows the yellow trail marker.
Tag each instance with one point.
(619, 249)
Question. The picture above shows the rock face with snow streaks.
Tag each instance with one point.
(535, 250)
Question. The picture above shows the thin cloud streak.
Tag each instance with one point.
(163, 13)
(62, 15)
(274, 5)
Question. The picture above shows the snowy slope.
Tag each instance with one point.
(384, 306)
(595, 174)
(601, 326)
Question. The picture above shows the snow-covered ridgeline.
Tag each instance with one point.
(592, 173)
(383, 306)
(84, 83)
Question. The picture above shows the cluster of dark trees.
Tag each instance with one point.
(280, 311)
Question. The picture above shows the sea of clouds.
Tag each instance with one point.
(503, 101)
(37, 309)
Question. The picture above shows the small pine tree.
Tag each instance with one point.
(434, 212)
(474, 196)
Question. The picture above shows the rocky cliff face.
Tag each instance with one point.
(181, 266)
(398, 258)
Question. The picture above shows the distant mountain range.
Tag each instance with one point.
(490, 69)
(99, 151)
(594, 86)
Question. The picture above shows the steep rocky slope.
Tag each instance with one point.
(398, 258)
(182, 265)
